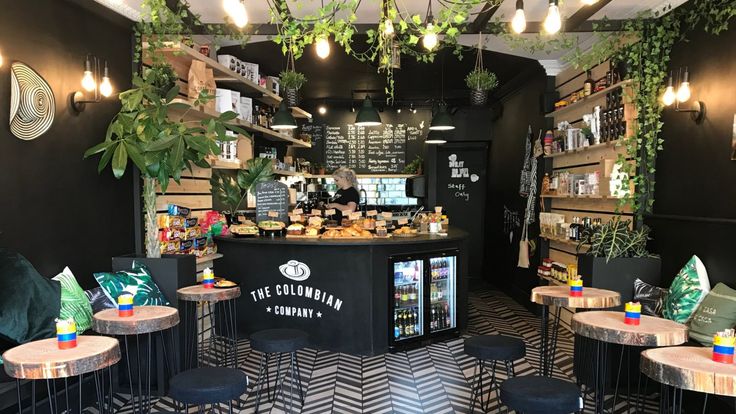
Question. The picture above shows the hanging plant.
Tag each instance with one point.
(291, 81)
(480, 80)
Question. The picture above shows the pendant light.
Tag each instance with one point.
(442, 121)
(368, 115)
(283, 119)
(435, 137)
(553, 21)
(235, 9)
(518, 23)
(322, 46)
(429, 40)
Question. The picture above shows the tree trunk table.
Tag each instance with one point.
(145, 322)
(689, 368)
(43, 360)
(220, 348)
(559, 296)
(606, 327)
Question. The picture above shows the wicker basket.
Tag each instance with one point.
(478, 97)
(292, 97)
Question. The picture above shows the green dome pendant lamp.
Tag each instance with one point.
(442, 121)
(283, 119)
(368, 114)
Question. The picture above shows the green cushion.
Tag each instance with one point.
(687, 291)
(136, 281)
(30, 302)
(74, 303)
(716, 313)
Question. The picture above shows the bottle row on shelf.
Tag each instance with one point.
(405, 295)
(406, 323)
(553, 225)
(440, 317)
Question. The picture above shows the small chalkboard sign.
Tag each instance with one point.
(273, 197)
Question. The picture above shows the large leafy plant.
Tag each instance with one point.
(231, 191)
(616, 239)
(152, 130)
(292, 80)
(481, 79)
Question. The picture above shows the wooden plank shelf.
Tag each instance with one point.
(552, 281)
(584, 149)
(288, 173)
(586, 100)
(203, 113)
(181, 56)
(564, 241)
(209, 258)
(219, 164)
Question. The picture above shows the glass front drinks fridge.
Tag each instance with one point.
(422, 297)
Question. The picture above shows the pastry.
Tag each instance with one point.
(312, 231)
(381, 231)
(243, 229)
(315, 221)
(223, 283)
(295, 229)
(271, 225)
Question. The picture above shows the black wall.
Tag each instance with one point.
(56, 210)
(695, 194)
(520, 108)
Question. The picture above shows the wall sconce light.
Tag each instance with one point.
(683, 94)
(94, 88)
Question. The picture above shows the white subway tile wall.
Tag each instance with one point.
(381, 191)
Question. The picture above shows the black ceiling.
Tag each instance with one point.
(334, 78)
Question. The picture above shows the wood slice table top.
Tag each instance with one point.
(145, 319)
(608, 326)
(44, 360)
(689, 368)
(199, 293)
(592, 298)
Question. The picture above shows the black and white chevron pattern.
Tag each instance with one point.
(432, 379)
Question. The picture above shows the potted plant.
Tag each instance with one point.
(291, 82)
(414, 167)
(318, 169)
(160, 144)
(480, 81)
(617, 256)
(232, 191)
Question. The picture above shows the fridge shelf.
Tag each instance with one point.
(405, 307)
(414, 283)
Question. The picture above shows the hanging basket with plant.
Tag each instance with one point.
(480, 80)
(291, 81)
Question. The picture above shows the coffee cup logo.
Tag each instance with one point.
(295, 270)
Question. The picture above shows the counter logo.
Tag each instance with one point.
(295, 270)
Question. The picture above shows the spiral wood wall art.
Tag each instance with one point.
(32, 104)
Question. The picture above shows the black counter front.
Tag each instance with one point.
(336, 290)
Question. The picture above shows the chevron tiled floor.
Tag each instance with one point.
(433, 379)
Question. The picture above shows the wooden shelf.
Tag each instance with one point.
(181, 56)
(363, 175)
(593, 197)
(584, 149)
(218, 164)
(202, 113)
(553, 281)
(209, 258)
(586, 100)
(288, 173)
(563, 241)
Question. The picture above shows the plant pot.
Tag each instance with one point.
(292, 96)
(619, 274)
(230, 218)
(478, 97)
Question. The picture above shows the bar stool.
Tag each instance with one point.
(492, 348)
(279, 341)
(207, 385)
(221, 348)
(541, 395)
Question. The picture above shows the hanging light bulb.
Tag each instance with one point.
(430, 38)
(683, 92)
(237, 12)
(388, 27)
(669, 94)
(106, 86)
(518, 23)
(323, 47)
(322, 109)
(553, 21)
(88, 80)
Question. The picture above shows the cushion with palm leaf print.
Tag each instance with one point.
(688, 289)
(74, 303)
(137, 281)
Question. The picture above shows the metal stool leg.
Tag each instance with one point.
(474, 386)
(259, 382)
(299, 378)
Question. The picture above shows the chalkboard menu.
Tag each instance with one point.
(368, 150)
(272, 196)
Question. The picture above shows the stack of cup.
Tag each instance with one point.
(632, 314)
(208, 278)
(723, 345)
(576, 286)
(66, 334)
(125, 305)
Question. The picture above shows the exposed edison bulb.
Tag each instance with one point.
(553, 21)
(518, 23)
(669, 96)
(106, 87)
(322, 109)
(430, 38)
(683, 92)
(88, 81)
(388, 27)
(237, 12)
(323, 47)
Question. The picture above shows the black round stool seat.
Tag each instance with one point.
(495, 347)
(279, 340)
(208, 385)
(532, 394)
